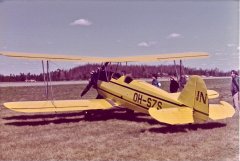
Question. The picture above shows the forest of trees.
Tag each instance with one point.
(137, 71)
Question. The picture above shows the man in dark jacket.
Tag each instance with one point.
(235, 89)
(173, 85)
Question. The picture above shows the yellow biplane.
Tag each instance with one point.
(191, 105)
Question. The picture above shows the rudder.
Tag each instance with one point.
(194, 95)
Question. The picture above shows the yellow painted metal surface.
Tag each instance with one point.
(59, 105)
(194, 95)
(137, 95)
(143, 58)
(191, 105)
(59, 57)
(182, 115)
(210, 93)
(221, 111)
(161, 57)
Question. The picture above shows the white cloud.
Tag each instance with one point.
(147, 44)
(231, 45)
(143, 44)
(174, 35)
(218, 53)
(81, 22)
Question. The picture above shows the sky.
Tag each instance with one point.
(111, 28)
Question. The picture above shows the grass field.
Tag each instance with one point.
(112, 135)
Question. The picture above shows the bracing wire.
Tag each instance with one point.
(44, 80)
(161, 67)
(176, 70)
(50, 83)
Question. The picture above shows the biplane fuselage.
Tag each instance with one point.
(136, 95)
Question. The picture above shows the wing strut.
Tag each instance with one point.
(182, 79)
(44, 79)
(50, 79)
(175, 65)
(47, 79)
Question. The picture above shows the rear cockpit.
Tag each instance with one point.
(127, 79)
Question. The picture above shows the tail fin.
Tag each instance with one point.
(194, 95)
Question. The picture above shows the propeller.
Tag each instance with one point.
(94, 78)
(92, 82)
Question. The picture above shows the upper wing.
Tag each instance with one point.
(34, 56)
(143, 58)
(161, 57)
(60, 105)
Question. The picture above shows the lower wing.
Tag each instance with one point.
(60, 105)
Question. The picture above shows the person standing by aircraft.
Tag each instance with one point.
(173, 85)
(123, 72)
(182, 81)
(235, 89)
(155, 82)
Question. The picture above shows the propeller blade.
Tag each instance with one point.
(86, 89)
(92, 82)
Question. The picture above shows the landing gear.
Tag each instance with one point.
(99, 96)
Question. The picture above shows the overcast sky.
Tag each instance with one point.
(114, 28)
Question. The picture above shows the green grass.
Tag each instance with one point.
(111, 135)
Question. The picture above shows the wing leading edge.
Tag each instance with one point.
(162, 57)
(60, 105)
(142, 58)
(59, 57)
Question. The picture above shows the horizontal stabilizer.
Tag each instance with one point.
(212, 94)
(220, 111)
(179, 115)
(59, 105)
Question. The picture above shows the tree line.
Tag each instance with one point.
(137, 71)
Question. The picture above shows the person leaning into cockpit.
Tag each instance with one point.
(155, 82)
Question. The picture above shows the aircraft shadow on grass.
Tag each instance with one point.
(119, 114)
(186, 128)
(60, 118)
